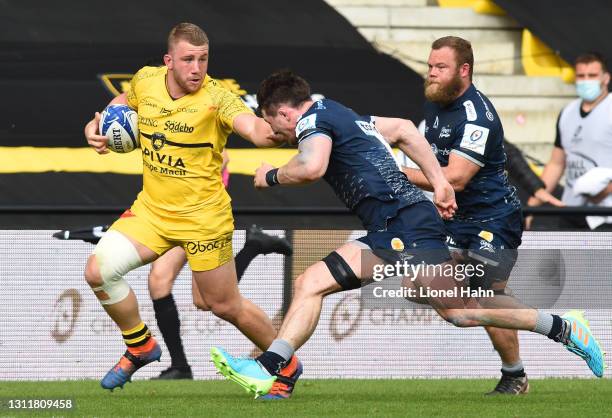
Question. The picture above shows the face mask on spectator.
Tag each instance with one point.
(588, 90)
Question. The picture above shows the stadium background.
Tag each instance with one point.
(53, 62)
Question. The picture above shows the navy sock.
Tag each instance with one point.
(272, 362)
(516, 373)
(557, 332)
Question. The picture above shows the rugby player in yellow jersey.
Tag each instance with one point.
(185, 118)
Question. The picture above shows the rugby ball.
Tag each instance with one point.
(119, 124)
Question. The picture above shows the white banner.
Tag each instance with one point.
(52, 327)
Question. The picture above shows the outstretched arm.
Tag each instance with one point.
(405, 135)
(256, 130)
(308, 165)
(458, 172)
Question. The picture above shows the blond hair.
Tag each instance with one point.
(187, 32)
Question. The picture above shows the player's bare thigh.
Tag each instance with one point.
(318, 279)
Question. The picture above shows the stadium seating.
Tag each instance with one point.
(405, 28)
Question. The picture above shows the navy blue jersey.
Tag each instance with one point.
(361, 165)
(470, 127)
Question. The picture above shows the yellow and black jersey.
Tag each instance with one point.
(182, 141)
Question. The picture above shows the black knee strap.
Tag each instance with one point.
(341, 271)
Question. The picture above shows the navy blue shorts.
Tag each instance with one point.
(493, 243)
(416, 234)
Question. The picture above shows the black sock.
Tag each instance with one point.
(170, 327)
(245, 256)
(272, 362)
(518, 373)
(558, 330)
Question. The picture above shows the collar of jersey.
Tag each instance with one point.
(207, 78)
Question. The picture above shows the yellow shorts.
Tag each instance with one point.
(207, 242)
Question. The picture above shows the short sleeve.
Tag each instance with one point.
(230, 106)
(132, 94)
(477, 141)
(312, 124)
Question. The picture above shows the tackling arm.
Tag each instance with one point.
(458, 172)
(405, 135)
(308, 165)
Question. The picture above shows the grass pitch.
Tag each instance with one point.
(324, 398)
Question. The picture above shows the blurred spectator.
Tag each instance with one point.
(583, 143)
(524, 177)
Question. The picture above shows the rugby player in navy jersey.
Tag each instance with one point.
(352, 153)
(467, 136)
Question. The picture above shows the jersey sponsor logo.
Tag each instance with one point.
(158, 140)
(320, 105)
(147, 121)
(191, 109)
(475, 138)
(177, 127)
(397, 244)
(149, 156)
(436, 123)
(470, 111)
(488, 112)
(443, 151)
(487, 246)
(194, 247)
(165, 112)
(486, 235)
(367, 127)
(445, 132)
(146, 102)
(307, 123)
(370, 129)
